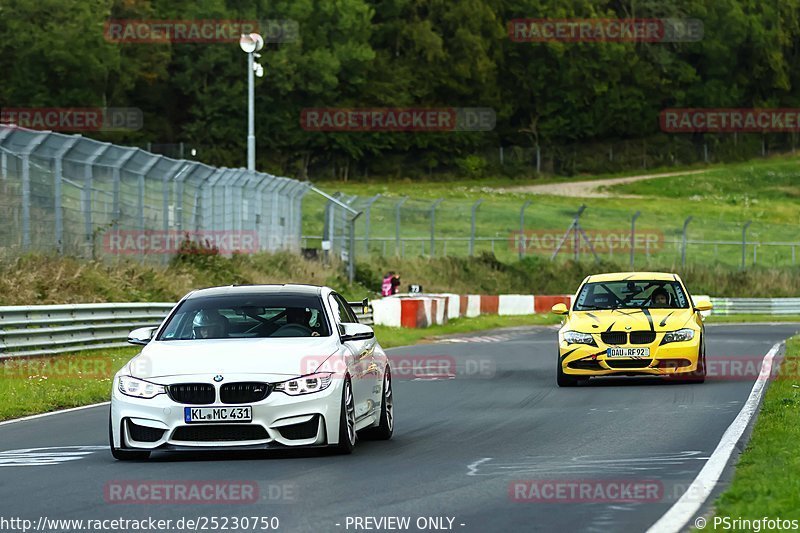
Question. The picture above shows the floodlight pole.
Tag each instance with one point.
(744, 241)
(633, 234)
(521, 240)
(251, 112)
(472, 230)
(685, 241)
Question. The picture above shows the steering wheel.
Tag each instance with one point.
(292, 330)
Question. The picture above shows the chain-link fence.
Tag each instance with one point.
(77, 196)
(647, 233)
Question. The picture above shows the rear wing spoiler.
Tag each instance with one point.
(364, 304)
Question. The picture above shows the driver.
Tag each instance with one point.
(209, 325)
(659, 298)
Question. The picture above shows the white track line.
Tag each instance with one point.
(61, 412)
(698, 492)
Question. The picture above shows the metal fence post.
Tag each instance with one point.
(397, 206)
(58, 177)
(744, 241)
(633, 235)
(209, 212)
(367, 212)
(683, 247)
(26, 201)
(141, 187)
(26, 188)
(472, 228)
(433, 225)
(521, 241)
(351, 254)
(166, 181)
(88, 183)
(116, 177)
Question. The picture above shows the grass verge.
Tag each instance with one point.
(764, 483)
(38, 385)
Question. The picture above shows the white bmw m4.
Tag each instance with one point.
(252, 367)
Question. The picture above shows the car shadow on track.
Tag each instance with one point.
(167, 456)
(633, 381)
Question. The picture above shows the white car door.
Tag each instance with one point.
(363, 371)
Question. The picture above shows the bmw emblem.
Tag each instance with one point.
(627, 328)
(218, 378)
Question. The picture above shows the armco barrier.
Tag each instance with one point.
(756, 306)
(53, 329)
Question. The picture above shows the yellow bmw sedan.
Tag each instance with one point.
(631, 323)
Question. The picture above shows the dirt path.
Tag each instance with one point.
(591, 188)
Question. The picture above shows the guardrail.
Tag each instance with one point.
(756, 306)
(53, 329)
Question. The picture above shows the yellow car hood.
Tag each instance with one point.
(635, 319)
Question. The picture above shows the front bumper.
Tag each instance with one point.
(669, 359)
(278, 421)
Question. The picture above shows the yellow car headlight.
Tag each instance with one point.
(680, 335)
(576, 337)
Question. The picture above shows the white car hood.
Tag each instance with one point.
(278, 356)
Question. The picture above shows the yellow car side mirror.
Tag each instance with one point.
(703, 305)
(560, 309)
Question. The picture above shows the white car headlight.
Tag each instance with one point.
(680, 335)
(139, 388)
(305, 384)
(575, 337)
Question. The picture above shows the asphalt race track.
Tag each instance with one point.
(460, 444)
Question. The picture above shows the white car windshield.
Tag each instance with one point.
(250, 316)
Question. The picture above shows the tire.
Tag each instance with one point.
(385, 427)
(563, 379)
(347, 421)
(122, 454)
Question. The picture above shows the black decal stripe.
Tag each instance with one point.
(649, 318)
(561, 359)
(664, 322)
(592, 316)
(611, 326)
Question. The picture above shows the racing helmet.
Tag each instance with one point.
(215, 322)
(661, 291)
